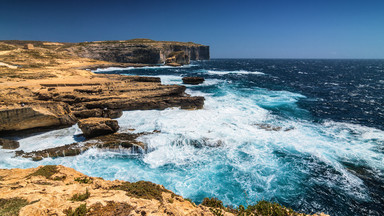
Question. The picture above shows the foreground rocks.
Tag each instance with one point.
(59, 190)
(193, 80)
(93, 127)
(9, 144)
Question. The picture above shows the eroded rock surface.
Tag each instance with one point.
(9, 144)
(92, 127)
(193, 80)
(116, 141)
(50, 190)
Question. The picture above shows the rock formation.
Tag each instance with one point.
(49, 87)
(59, 190)
(92, 127)
(141, 51)
(193, 80)
(35, 114)
(177, 59)
(111, 142)
(9, 144)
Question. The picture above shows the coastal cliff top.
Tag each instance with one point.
(48, 44)
(59, 190)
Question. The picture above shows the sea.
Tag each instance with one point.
(307, 134)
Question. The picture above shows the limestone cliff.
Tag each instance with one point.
(139, 51)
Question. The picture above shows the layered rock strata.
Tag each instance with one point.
(92, 127)
(62, 102)
(141, 51)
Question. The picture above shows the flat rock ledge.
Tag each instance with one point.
(92, 127)
(57, 103)
(193, 80)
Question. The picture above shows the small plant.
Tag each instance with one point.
(111, 208)
(142, 189)
(189, 200)
(270, 209)
(12, 206)
(47, 171)
(213, 202)
(170, 200)
(81, 197)
(216, 212)
(84, 180)
(79, 211)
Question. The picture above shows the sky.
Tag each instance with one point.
(232, 29)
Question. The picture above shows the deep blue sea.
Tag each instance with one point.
(308, 134)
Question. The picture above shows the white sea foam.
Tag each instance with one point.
(241, 72)
(230, 146)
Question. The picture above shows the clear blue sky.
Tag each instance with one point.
(233, 29)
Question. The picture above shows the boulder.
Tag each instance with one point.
(193, 80)
(92, 127)
(9, 144)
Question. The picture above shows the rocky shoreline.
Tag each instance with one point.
(45, 86)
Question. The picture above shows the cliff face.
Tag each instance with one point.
(139, 51)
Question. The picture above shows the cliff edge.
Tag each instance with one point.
(59, 190)
(141, 51)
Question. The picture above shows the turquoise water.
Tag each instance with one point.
(307, 134)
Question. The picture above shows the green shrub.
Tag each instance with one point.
(81, 197)
(213, 202)
(12, 206)
(84, 180)
(142, 189)
(47, 171)
(79, 211)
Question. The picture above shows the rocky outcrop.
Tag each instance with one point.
(55, 190)
(92, 127)
(35, 115)
(116, 141)
(9, 144)
(58, 190)
(54, 104)
(177, 59)
(193, 80)
(140, 51)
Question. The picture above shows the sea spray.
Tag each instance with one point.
(259, 136)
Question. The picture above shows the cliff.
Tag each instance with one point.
(46, 85)
(140, 51)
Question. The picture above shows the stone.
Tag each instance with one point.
(29, 46)
(92, 127)
(9, 144)
(49, 114)
(193, 80)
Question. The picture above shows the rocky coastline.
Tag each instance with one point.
(45, 86)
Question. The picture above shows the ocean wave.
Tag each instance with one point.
(242, 72)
